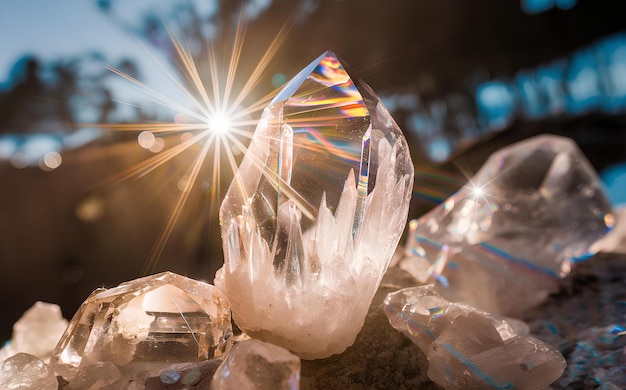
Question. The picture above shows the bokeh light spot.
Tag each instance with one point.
(19, 160)
(90, 209)
(146, 139)
(184, 184)
(278, 80)
(50, 161)
(157, 145)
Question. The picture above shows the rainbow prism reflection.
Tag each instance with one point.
(315, 212)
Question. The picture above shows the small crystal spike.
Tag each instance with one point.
(505, 240)
(160, 319)
(315, 212)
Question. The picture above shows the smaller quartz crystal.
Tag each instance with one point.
(37, 332)
(256, 365)
(139, 325)
(468, 348)
(504, 241)
(26, 372)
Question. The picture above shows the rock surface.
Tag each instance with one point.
(381, 357)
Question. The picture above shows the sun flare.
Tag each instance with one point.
(214, 130)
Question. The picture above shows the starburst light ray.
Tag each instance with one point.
(221, 125)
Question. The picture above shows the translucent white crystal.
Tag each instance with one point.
(468, 348)
(38, 331)
(505, 240)
(145, 324)
(315, 212)
(95, 376)
(255, 365)
(26, 372)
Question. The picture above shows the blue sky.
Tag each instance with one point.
(54, 29)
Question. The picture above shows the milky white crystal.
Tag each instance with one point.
(37, 332)
(506, 239)
(315, 212)
(468, 348)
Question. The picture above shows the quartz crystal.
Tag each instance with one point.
(256, 365)
(314, 213)
(26, 372)
(505, 240)
(468, 348)
(142, 324)
(37, 332)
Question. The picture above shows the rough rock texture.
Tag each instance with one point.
(583, 320)
(381, 357)
(586, 320)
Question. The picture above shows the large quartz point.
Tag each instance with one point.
(143, 324)
(505, 240)
(468, 348)
(255, 365)
(314, 213)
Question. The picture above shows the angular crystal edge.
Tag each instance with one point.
(480, 230)
(253, 288)
(90, 328)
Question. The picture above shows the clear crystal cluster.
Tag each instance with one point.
(255, 365)
(505, 240)
(26, 372)
(468, 348)
(144, 324)
(314, 213)
(37, 332)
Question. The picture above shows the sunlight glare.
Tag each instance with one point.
(478, 191)
(220, 124)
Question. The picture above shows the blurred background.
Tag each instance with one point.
(80, 206)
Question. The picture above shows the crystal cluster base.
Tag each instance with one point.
(314, 213)
(506, 239)
(146, 323)
(468, 348)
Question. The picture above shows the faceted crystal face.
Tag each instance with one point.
(505, 240)
(255, 365)
(468, 348)
(26, 372)
(159, 319)
(314, 213)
